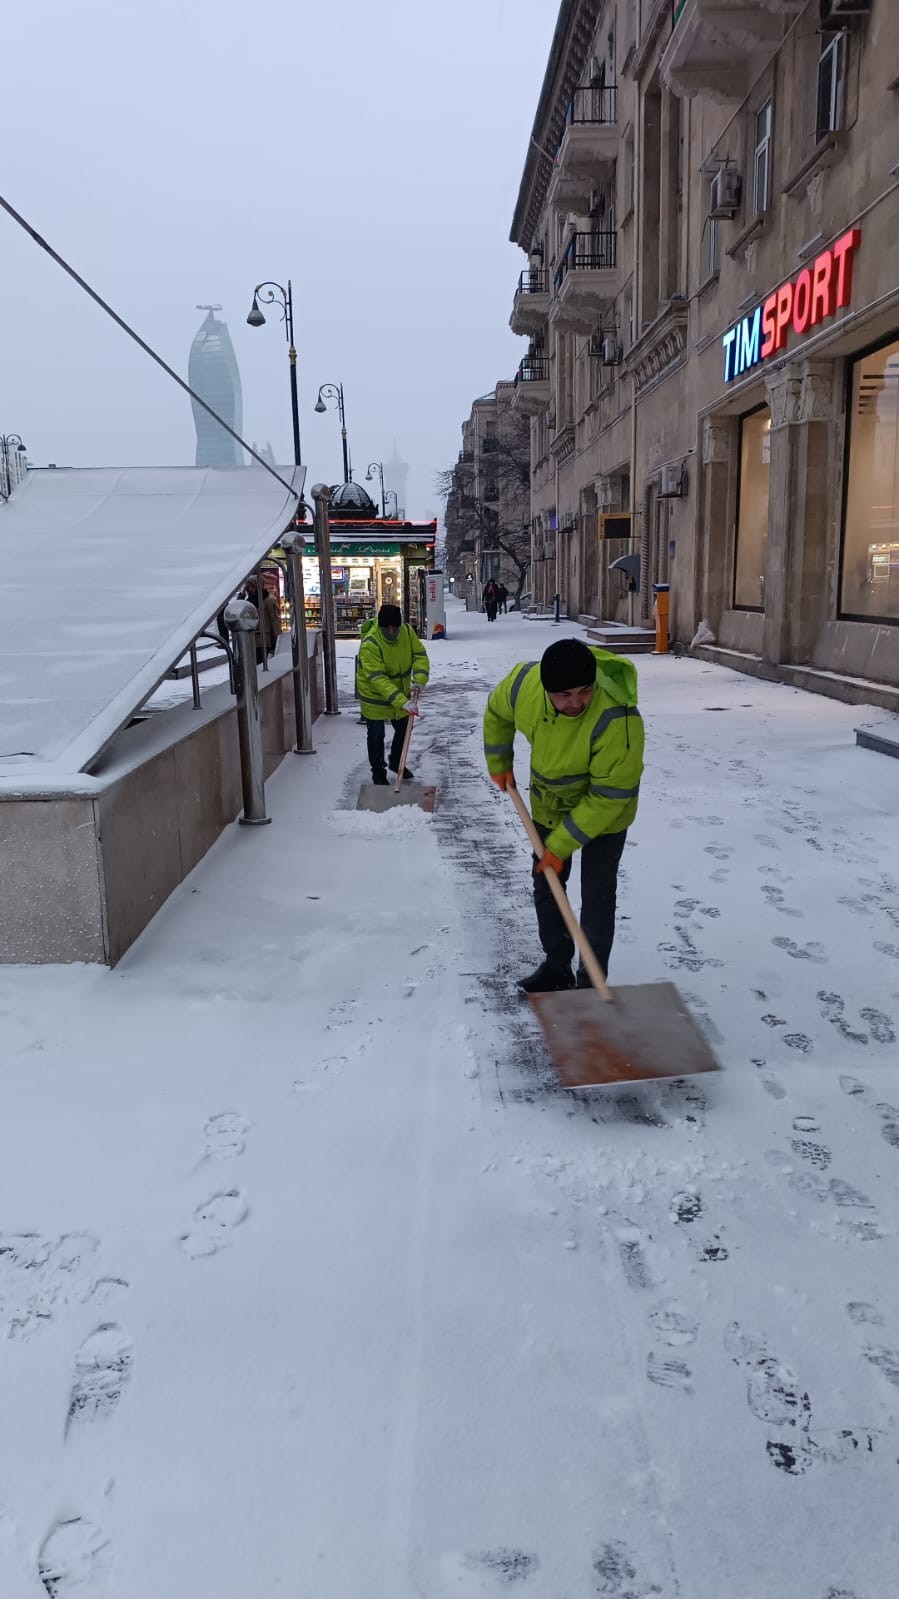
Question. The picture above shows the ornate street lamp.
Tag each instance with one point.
(334, 391)
(9, 441)
(274, 294)
(376, 469)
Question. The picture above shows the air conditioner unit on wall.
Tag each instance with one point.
(725, 194)
(836, 15)
(672, 481)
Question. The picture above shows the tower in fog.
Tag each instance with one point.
(396, 476)
(213, 371)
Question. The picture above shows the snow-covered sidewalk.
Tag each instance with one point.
(313, 1283)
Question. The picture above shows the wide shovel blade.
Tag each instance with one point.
(375, 797)
(644, 1031)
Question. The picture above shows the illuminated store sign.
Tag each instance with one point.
(810, 297)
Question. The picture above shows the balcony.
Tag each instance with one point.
(531, 305)
(719, 47)
(531, 394)
(588, 148)
(586, 282)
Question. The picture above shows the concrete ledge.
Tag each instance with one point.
(83, 872)
(877, 742)
(851, 690)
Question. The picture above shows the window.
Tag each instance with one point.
(629, 173)
(711, 238)
(869, 586)
(831, 76)
(762, 191)
(752, 511)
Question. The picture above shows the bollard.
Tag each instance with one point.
(557, 608)
(241, 619)
(321, 494)
(294, 545)
(660, 611)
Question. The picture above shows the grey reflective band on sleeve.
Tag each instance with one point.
(612, 714)
(576, 833)
(498, 749)
(614, 793)
(559, 782)
(515, 690)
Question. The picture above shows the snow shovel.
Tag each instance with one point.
(375, 797)
(601, 1035)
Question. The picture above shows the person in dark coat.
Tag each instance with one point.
(503, 599)
(491, 599)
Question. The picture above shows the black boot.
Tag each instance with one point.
(380, 778)
(547, 980)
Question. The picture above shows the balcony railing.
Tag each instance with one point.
(587, 252)
(533, 281)
(593, 105)
(533, 369)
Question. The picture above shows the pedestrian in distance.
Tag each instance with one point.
(269, 625)
(392, 661)
(491, 599)
(503, 599)
(577, 708)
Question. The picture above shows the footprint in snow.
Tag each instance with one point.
(615, 1571)
(802, 952)
(668, 1373)
(487, 1574)
(673, 1324)
(213, 1222)
(102, 1374)
(75, 1560)
(882, 1357)
(225, 1135)
(775, 898)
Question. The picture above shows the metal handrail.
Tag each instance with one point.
(533, 369)
(587, 252)
(533, 280)
(593, 105)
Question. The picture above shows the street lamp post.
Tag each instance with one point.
(376, 469)
(9, 441)
(273, 293)
(334, 391)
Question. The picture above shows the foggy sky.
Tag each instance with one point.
(179, 154)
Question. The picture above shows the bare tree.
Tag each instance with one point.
(488, 504)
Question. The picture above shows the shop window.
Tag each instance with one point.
(752, 511)
(870, 575)
(831, 80)
(762, 185)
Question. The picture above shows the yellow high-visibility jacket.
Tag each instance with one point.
(385, 671)
(585, 770)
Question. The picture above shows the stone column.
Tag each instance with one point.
(800, 396)
(714, 568)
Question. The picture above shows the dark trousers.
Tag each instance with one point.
(599, 886)
(374, 733)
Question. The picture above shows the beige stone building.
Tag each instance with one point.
(710, 210)
(488, 504)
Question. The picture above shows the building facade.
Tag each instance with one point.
(488, 504)
(213, 372)
(741, 272)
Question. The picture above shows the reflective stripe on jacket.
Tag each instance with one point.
(385, 671)
(585, 770)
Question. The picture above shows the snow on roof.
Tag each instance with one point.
(109, 573)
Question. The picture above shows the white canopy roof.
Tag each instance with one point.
(108, 574)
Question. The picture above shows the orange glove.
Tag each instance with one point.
(549, 859)
(503, 780)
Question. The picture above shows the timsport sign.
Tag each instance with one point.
(813, 295)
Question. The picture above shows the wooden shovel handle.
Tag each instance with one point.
(591, 964)
(407, 740)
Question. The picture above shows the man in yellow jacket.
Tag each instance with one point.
(391, 660)
(577, 708)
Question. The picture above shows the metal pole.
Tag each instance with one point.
(294, 545)
(241, 620)
(294, 401)
(195, 675)
(321, 494)
(343, 437)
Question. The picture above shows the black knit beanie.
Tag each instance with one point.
(390, 616)
(567, 664)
